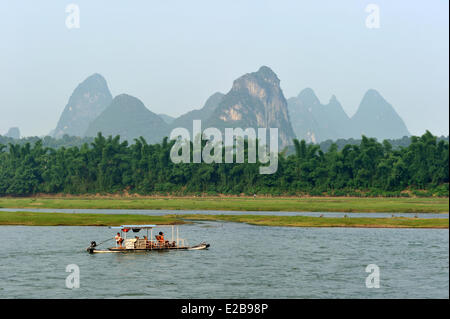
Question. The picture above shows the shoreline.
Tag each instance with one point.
(231, 203)
(203, 195)
(61, 219)
(307, 221)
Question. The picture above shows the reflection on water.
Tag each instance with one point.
(244, 261)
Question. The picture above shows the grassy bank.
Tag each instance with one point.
(61, 219)
(306, 221)
(294, 204)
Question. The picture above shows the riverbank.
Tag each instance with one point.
(306, 221)
(61, 219)
(292, 204)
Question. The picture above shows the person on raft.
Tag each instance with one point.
(160, 238)
(119, 239)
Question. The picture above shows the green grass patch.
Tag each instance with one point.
(294, 204)
(62, 219)
(306, 221)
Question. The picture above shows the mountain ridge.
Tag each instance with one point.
(376, 117)
(316, 122)
(185, 120)
(87, 101)
(255, 100)
(128, 117)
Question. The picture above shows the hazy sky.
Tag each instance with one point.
(174, 54)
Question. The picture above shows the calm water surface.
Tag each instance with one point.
(215, 212)
(244, 261)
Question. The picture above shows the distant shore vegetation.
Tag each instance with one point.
(107, 165)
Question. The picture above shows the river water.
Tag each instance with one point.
(154, 212)
(243, 261)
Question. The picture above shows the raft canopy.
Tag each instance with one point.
(133, 227)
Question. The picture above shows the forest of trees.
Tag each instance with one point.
(107, 165)
(69, 141)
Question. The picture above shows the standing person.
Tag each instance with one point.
(119, 240)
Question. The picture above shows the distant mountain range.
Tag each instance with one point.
(315, 122)
(254, 100)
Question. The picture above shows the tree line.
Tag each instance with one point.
(69, 141)
(109, 165)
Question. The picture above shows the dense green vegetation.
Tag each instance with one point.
(70, 141)
(108, 165)
(47, 141)
(396, 143)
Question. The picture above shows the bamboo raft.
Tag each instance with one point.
(144, 244)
